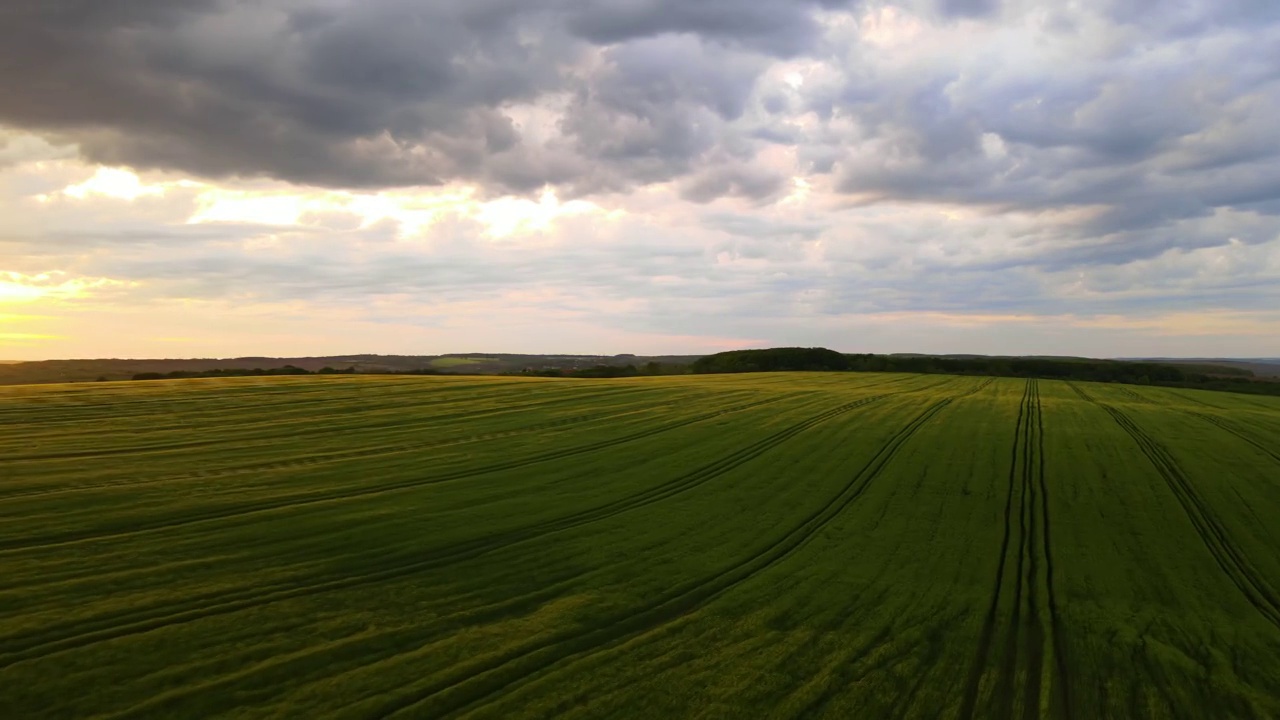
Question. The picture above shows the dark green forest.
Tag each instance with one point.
(1112, 371)
(239, 372)
(773, 360)
(818, 359)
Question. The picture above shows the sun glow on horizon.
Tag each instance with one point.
(16, 288)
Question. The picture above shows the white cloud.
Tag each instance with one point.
(950, 176)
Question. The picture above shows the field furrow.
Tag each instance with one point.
(322, 497)
(474, 684)
(791, 545)
(1234, 563)
(1029, 675)
(1221, 424)
(124, 624)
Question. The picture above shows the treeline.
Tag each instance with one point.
(773, 360)
(240, 372)
(817, 359)
(1092, 370)
(597, 371)
(1109, 371)
(608, 371)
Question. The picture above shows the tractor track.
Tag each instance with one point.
(1058, 637)
(1129, 394)
(1015, 639)
(333, 456)
(1229, 558)
(117, 625)
(428, 423)
(475, 684)
(1024, 637)
(338, 495)
(347, 494)
(969, 703)
(1223, 425)
(119, 409)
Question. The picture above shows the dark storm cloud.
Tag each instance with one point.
(734, 181)
(1125, 132)
(660, 108)
(1169, 129)
(391, 92)
(378, 93)
(1193, 18)
(968, 8)
(778, 27)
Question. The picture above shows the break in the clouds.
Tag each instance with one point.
(639, 175)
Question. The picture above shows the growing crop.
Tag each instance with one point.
(775, 544)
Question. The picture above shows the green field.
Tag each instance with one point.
(452, 362)
(737, 546)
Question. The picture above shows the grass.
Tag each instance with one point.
(782, 545)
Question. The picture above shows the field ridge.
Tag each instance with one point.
(322, 497)
(473, 684)
(121, 625)
(1233, 562)
(790, 545)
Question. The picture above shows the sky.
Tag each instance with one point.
(216, 178)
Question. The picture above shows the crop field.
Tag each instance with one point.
(729, 546)
(457, 362)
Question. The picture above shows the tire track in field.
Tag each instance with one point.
(223, 513)
(849, 670)
(1019, 635)
(1056, 634)
(474, 684)
(1237, 401)
(1230, 559)
(214, 400)
(1223, 425)
(335, 455)
(348, 494)
(429, 422)
(179, 403)
(1128, 394)
(986, 636)
(1024, 638)
(118, 625)
(881, 657)
(927, 664)
(338, 403)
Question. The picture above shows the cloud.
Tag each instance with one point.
(20, 288)
(768, 169)
(1147, 131)
(779, 27)
(968, 8)
(396, 92)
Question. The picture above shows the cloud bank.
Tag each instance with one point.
(958, 175)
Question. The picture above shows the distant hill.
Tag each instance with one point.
(88, 370)
(1226, 367)
(1261, 367)
(483, 363)
(1191, 375)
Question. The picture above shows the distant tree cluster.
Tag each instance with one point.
(1094, 370)
(817, 359)
(772, 360)
(240, 372)
(609, 371)
(1112, 371)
